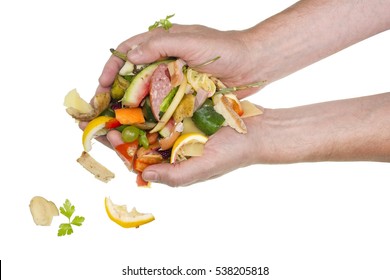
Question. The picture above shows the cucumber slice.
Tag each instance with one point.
(140, 85)
(207, 119)
(147, 111)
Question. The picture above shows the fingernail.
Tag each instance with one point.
(151, 176)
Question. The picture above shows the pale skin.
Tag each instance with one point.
(345, 130)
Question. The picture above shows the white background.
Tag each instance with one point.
(303, 221)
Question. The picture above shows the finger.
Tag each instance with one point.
(162, 44)
(110, 69)
(114, 64)
(146, 48)
(103, 140)
(152, 50)
(114, 137)
(185, 173)
(101, 89)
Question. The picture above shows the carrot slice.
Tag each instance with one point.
(129, 115)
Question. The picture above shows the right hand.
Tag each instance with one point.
(196, 45)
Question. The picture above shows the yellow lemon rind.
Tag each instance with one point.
(137, 220)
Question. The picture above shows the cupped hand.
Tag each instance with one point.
(195, 44)
(225, 151)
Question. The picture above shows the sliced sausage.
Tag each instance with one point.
(160, 86)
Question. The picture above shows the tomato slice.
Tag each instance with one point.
(127, 151)
(113, 123)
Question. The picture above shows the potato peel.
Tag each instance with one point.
(232, 118)
(98, 170)
(100, 102)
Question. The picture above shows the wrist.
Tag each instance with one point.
(281, 137)
(343, 130)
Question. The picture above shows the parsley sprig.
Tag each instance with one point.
(164, 23)
(67, 210)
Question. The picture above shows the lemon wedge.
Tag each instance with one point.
(124, 218)
(188, 145)
(94, 128)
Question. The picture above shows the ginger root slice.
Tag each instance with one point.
(98, 170)
(42, 210)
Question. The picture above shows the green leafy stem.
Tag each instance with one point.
(164, 23)
(68, 210)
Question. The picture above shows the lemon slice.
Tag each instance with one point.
(124, 218)
(188, 145)
(94, 128)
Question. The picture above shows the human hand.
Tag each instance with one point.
(225, 151)
(310, 133)
(196, 45)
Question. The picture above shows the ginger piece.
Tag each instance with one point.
(42, 210)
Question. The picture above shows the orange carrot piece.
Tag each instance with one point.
(152, 137)
(129, 115)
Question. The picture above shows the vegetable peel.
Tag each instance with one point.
(224, 107)
(99, 103)
(98, 170)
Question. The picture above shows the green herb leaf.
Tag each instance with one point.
(164, 23)
(78, 221)
(67, 210)
(65, 229)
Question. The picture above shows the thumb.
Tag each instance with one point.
(180, 174)
(166, 173)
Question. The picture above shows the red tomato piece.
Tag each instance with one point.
(127, 151)
(113, 123)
